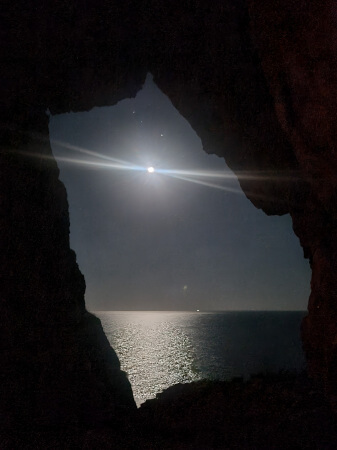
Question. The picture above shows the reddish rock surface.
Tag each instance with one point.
(257, 82)
(297, 45)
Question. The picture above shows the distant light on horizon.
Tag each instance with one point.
(150, 169)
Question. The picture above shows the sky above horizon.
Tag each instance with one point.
(184, 237)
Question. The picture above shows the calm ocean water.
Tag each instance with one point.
(158, 349)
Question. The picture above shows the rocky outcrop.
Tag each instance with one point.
(56, 363)
(256, 80)
(267, 411)
(297, 45)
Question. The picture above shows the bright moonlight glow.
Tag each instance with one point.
(150, 169)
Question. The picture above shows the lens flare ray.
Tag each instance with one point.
(90, 152)
(211, 185)
(191, 176)
(103, 165)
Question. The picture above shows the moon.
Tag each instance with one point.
(150, 169)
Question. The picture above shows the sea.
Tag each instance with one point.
(158, 349)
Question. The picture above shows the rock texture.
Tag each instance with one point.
(256, 80)
(297, 45)
(56, 363)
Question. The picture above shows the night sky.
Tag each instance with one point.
(162, 240)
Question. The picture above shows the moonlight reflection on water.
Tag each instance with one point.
(154, 350)
(160, 348)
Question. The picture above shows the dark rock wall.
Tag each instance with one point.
(57, 366)
(256, 80)
(297, 43)
(56, 363)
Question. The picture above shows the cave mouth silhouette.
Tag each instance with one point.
(266, 92)
(156, 242)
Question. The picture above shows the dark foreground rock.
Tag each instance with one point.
(267, 412)
(56, 365)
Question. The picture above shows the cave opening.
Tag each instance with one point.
(171, 238)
